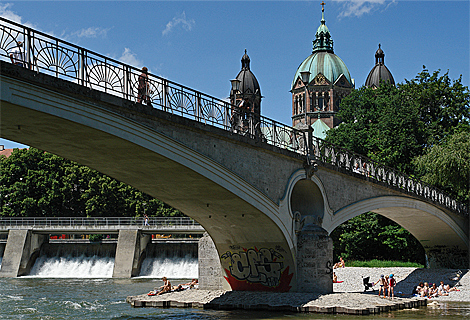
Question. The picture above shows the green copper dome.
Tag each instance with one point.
(323, 60)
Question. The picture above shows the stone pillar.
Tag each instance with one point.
(447, 257)
(314, 260)
(210, 269)
(128, 259)
(21, 251)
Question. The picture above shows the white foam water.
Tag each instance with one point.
(73, 267)
(170, 267)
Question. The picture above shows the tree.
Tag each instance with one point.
(40, 184)
(447, 165)
(413, 127)
(372, 236)
(394, 125)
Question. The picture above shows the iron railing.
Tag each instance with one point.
(101, 222)
(65, 60)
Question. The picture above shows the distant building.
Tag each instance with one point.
(5, 152)
(328, 82)
(379, 72)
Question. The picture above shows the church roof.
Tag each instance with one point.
(319, 129)
(379, 72)
(248, 82)
(323, 60)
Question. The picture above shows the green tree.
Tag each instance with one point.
(407, 127)
(40, 184)
(371, 236)
(394, 125)
(447, 165)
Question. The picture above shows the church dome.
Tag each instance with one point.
(248, 82)
(323, 60)
(379, 72)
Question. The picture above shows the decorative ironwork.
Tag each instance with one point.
(62, 59)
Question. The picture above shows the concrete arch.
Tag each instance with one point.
(435, 229)
(141, 155)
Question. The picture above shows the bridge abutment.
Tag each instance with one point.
(129, 253)
(314, 260)
(21, 251)
(209, 267)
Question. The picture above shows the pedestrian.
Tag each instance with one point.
(143, 89)
(146, 220)
(17, 55)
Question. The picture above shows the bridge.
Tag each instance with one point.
(268, 195)
(102, 225)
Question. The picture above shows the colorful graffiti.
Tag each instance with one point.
(257, 270)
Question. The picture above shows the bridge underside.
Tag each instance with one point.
(237, 216)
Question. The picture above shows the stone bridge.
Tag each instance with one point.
(267, 195)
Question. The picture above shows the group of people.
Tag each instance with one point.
(168, 288)
(387, 285)
(432, 291)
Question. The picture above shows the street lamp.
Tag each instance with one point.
(305, 75)
(235, 89)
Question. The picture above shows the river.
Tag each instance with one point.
(82, 288)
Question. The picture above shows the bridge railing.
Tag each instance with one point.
(374, 171)
(111, 222)
(61, 59)
(65, 60)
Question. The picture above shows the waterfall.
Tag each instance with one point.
(172, 267)
(73, 267)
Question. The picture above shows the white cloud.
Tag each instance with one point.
(186, 24)
(91, 32)
(360, 7)
(6, 13)
(130, 58)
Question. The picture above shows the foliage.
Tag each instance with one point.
(383, 264)
(95, 237)
(419, 127)
(394, 125)
(372, 236)
(39, 184)
(448, 165)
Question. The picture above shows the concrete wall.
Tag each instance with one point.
(210, 270)
(21, 251)
(128, 259)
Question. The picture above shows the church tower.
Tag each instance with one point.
(319, 84)
(379, 72)
(246, 92)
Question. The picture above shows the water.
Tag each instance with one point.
(82, 288)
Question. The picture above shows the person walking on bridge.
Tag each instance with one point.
(143, 89)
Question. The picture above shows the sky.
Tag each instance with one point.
(199, 44)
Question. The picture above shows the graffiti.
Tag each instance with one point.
(329, 268)
(256, 266)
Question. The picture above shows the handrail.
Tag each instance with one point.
(65, 60)
(111, 222)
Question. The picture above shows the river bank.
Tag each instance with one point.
(348, 297)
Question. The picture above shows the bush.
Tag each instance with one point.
(383, 264)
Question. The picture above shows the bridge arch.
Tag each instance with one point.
(441, 235)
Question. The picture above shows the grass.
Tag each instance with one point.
(383, 264)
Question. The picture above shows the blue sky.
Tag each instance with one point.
(200, 43)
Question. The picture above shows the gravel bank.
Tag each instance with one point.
(348, 296)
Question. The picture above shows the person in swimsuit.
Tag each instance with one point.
(166, 286)
(391, 284)
(382, 284)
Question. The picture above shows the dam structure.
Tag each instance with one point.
(28, 237)
(268, 195)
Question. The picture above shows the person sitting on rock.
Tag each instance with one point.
(166, 286)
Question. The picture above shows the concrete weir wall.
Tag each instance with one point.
(21, 250)
(128, 259)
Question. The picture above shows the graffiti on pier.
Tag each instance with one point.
(257, 269)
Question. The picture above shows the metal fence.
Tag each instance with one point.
(105, 222)
(50, 55)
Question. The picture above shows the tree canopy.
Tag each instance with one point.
(395, 124)
(420, 127)
(39, 184)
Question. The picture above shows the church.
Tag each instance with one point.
(320, 83)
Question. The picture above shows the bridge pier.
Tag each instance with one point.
(209, 267)
(439, 257)
(129, 253)
(21, 251)
(314, 260)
